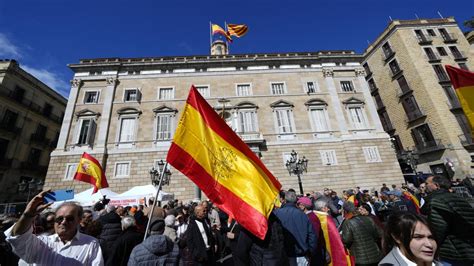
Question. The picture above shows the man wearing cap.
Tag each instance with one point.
(157, 249)
(399, 203)
(67, 246)
(300, 238)
(319, 254)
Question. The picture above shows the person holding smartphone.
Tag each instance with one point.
(67, 246)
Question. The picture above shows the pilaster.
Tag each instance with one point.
(328, 74)
(369, 102)
(109, 94)
(69, 114)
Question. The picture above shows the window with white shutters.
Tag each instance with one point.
(91, 97)
(319, 118)
(203, 90)
(71, 169)
(346, 86)
(371, 154)
(131, 95)
(243, 90)
(278, 88)
(284, 119)
(165, 93)
(328, 157)
(86, 131)
(357, 117)
(311, 87)
(127, 129)
(163, 126)
(247, 121)
(122, 169)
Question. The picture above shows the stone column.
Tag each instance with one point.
(328, 74)
(369, 101)
(69, 114)
(109, 94)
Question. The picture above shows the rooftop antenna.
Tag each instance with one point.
(368, 43)
(439, 13)
(417, 16)
(390, 17)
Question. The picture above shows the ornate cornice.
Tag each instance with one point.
(76, 83)
(328, 72)
(360, 72)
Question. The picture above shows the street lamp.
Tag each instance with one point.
(297, 166)
(159, 177)
(411, 158)
(155, 174)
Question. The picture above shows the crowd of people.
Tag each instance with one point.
(426, 225)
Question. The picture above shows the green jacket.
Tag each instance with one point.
(452, 220)
(360, 235)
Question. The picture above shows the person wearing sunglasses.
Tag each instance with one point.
(66, 247)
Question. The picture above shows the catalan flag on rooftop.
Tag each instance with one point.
(215, 158)
(237, 30)
(463, 83)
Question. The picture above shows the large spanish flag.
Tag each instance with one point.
(213, 156)
(463, 83)
(216, 29)
(90, 171)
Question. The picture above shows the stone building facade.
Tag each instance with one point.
(30, 121)
(414, 97)
(124, 112)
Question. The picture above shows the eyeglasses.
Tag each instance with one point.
(61, 218)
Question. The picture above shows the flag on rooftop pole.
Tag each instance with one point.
(216, 29)
(463, 83)
(90, 171)
(214, 157)
(237, 30)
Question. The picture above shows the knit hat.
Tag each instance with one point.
(157, 225)
(305, 201)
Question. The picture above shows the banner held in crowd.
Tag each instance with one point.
(463, 83)
(90, 171)
(215, 158)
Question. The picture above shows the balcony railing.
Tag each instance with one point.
(429, 146)
(412, 116)
(388, 54)
(459, 56)
(422, 39)
(449, 38)
(433, 57)
(251, 136)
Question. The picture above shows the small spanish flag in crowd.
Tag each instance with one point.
(217, 30)
(237, 30)
(90, 171)
(214, 157)
(463, 83)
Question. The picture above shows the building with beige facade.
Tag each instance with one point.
(30, 120)
(124, 112)
(414, 97)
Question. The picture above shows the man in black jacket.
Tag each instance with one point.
(125, 243)
(199, 238)
(111, 230)
(452, 220)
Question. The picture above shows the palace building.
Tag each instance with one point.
(124, 111)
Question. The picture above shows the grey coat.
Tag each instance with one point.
(395, 258)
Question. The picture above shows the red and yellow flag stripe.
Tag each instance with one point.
(238, 30)
(463, 83)
(207, 151)
(90, 171)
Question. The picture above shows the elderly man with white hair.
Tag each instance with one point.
(125, 243)
(66, 247)
(170, 230)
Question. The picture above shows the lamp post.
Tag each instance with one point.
(297, 166)
(31, 186)
(159, 177)
(411, 158)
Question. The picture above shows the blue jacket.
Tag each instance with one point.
(298, 232)
(155, 250)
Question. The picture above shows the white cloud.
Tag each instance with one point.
(49, 78)
(8, 49)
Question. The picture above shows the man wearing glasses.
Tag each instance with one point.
(66, 247)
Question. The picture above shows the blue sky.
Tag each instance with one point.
(46, 35)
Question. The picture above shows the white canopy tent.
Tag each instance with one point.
(137, 194)
(86, 198)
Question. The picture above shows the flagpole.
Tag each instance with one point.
(210, 35)
(156, 199)
(226, 41)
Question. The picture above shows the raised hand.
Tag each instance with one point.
(37, 204)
